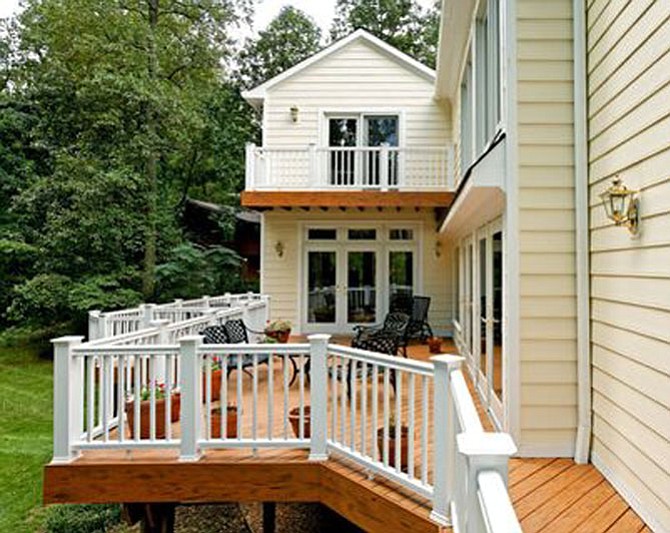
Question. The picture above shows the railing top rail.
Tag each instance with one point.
(258, 348)
(395, 362)
(144, 349)
(123, 313)
(118, 339)
(495, 504)
(465, 407)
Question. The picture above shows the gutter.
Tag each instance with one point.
(583, 440)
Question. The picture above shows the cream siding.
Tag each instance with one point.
(361, 77)
(547, 285)
(629, 132)
(280, 278)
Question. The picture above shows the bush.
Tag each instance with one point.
(81, 518)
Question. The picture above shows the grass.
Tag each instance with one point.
(26, 390)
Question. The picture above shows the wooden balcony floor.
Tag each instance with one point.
(549, 495)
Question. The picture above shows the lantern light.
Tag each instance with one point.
(621, 205)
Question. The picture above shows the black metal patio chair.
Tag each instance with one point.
(395, 324)
(418, 323)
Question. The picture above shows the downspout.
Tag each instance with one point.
(583, 440)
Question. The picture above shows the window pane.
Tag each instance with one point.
(321, 287)
(382, 130)
(497, 314)
(401, 281)
(362, 287)
(482, 305)
(318, 234)
(362, 234)
(401, 234)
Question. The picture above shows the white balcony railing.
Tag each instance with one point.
(408, 421)
(328, 168)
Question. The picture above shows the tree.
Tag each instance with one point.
(291, 37)
(123, 84)
(401, 23)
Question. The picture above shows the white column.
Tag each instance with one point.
(249, 181)
(93, 325)
(205, 301)
(68, 398)
(483, 452)
(444, 450)
(160, 368)
(147, 315)
(191, 394)
(318, 396)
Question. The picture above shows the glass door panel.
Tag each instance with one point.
(497, 314)
(482, 319)
(342, 139)
(401, 281)
(321, 287)
(361, 287)
(381, 131)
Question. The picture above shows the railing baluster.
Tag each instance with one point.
(137, 363)
(375, 409)
(208, 396)
(105, 397)
(301, 382)
(353, 366)
(239, 394)
(254, 411)
(120, 387)
(398, 419)
(333, 376)
(152, 396)
(424, 431)
(386, 416)
(90, 399)
(286, 392)
(271, 394)
(169, 379)
(364, 405)
(410, 426)
(343, 399)
(224, 395)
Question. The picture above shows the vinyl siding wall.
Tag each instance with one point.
(279, 276)
(548, 327)
(359, 77)
(629, 134)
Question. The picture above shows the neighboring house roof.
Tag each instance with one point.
(245, 215)
(256, 95)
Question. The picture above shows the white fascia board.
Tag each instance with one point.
(256, 95)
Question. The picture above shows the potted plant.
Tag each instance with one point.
(404, 439)
(217, 373)
(435, 345)
(294, 419)
(279, 329)
(231, 422)
(145, 410)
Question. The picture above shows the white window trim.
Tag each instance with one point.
(325, 114)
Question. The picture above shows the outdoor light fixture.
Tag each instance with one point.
(621, 205)
(295, 112)
(279, 248)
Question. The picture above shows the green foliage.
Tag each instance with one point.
(192, 271)
(401, 23)
(81, 518)
(291, 37)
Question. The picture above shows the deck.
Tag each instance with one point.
(548, 494)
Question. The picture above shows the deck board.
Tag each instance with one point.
(549, 494)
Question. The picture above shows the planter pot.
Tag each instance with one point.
(435, 345)
(280, 336)
(145, 416)
(216, 385)
(404, 438)
(231, 422)
(294, 419)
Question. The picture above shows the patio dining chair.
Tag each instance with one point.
(418, 323)
(395, 325)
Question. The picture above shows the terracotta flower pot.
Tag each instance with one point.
(404, 439)
(231, 422)
(280, 336)
(216, 385)
(435, 345)
(294, 419)
(145, 416)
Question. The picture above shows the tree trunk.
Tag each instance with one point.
(150, 237)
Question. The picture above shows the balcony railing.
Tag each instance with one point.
(328, 168)
(352, 404)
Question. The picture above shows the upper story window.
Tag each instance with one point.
(481, 86)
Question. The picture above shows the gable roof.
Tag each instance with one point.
(256, 95)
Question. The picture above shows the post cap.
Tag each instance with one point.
(474, 444)
(450, 360)
(196, 339)
(319, 337)
(68, 339)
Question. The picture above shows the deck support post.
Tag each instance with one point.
(68, 400)
(191, 381)
(318, 396)
(269, 517)
(444, 437)
(482, 451)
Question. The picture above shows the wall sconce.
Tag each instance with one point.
(279, 248)
(295, 113)
(438, 249)
(621, 205)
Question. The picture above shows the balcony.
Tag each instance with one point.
(383, 176)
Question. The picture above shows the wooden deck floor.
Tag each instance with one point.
(549, 495)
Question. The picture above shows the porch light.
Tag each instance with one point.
(295, 113)
(279, 248)
(621, 205)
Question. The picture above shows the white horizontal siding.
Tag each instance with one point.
(629, 128)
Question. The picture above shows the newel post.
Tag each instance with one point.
(93, 325)
(313, 177)
(250, 149)
(68, 398)
(384, 167)
(482, 451)
(147, 315)
(444, 450)
(318, 347)
(191, 394)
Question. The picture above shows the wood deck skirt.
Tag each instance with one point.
(270, 199)
(230, 476)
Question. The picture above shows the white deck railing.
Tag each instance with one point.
(350, 403)
(333, 168)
